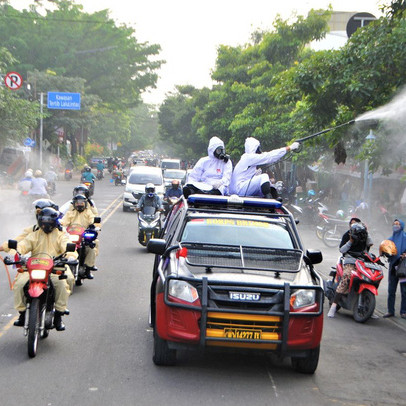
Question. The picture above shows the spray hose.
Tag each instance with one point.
(323, 132)
(8, 274)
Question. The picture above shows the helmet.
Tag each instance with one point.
(38, 173)
(358, 232)
(79, 202)
(48, 219)
(81, 190)
(279, 186)
(175, 183)
(28, 174)
(42, 204)
(387, 248)
(311, 192)
(150, 189)
(88, 168)
(340, 214)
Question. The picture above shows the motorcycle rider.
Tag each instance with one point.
(25, 183)
(173, 193)
(39, 185)
(149, 198)
(88, 175)
(48, 239)
(39, 205)
(80, 190)
(83, 215)
(51, 176)
(100, 167)
(357, 244)
(214, 170)
(246, 179)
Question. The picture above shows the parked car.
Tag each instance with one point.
(232, 272)
(137, 178)
(171, 174)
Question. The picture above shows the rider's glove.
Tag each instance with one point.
(218, 184)
(294, 146)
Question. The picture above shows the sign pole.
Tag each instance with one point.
(41, 129)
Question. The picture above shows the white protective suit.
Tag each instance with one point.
(212, 170)
(245, 181)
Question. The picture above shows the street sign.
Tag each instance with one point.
(45, 144)
(27, 142)
(13, 80)
(63, 101)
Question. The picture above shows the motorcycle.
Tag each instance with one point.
(168, 204)
(68, 174)
(118, 177)
(149, 224)
(40, 293)
(333, 231)
(363, 287)
(51, 187)
(90, 186)
(82, 238)
(100, 174)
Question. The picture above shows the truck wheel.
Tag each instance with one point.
(162, 354)
(307, 365)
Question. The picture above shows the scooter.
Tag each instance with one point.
(332, 231)
(90, 186)
(149, 224)
(40, 292)
(82, 238)
(363, 287)
(100, 174)
(68, 174)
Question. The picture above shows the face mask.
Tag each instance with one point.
(396, 228)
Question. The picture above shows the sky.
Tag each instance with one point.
(190, 31)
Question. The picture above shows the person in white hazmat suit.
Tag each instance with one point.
(246, 179)
(211, 174)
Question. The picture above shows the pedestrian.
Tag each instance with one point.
(399, 238)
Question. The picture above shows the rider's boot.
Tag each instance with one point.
(88, 272)
(21, 319)
(58, 323)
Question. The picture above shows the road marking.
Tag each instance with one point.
(8, 325)
(272, 381)
(111, 213)
(111, 204)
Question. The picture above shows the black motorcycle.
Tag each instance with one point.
(149, 224)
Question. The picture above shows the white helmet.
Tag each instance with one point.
(340, 214)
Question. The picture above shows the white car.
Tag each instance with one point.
(136, 181)
(172, 174)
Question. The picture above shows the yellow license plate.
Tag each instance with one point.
(242, 334)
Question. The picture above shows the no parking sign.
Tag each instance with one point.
(13, 80)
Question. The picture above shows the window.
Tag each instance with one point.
(144, 178)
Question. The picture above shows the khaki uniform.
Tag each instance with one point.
(85, 219)
(68, 272)
(41, 244)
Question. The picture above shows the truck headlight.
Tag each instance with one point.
(302, 298)
(183, 291)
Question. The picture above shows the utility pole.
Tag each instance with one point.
(41, 128)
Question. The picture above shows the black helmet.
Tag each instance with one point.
(48, 219)
(42, 203)
(358, 232)
(81, 190)
(79, 203)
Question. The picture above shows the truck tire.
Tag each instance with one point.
(307, 365)
(162, 355)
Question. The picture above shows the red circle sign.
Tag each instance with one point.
(13, 80)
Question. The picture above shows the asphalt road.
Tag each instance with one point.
(104, 357)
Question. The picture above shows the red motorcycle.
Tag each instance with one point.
(40, 293)
(82, 238)
(363, 287)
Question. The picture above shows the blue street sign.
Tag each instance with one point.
(63, 101)
(27, 142)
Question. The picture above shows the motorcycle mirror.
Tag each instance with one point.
(12, 244)
(70, 247)
(97, 220)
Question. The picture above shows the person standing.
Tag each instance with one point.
(399, 238)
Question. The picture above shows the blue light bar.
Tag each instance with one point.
(233, 200)
(89, 235)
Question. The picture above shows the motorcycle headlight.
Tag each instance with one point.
(143, 223)
(38, 274)
(302, 298)
(183, 291)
